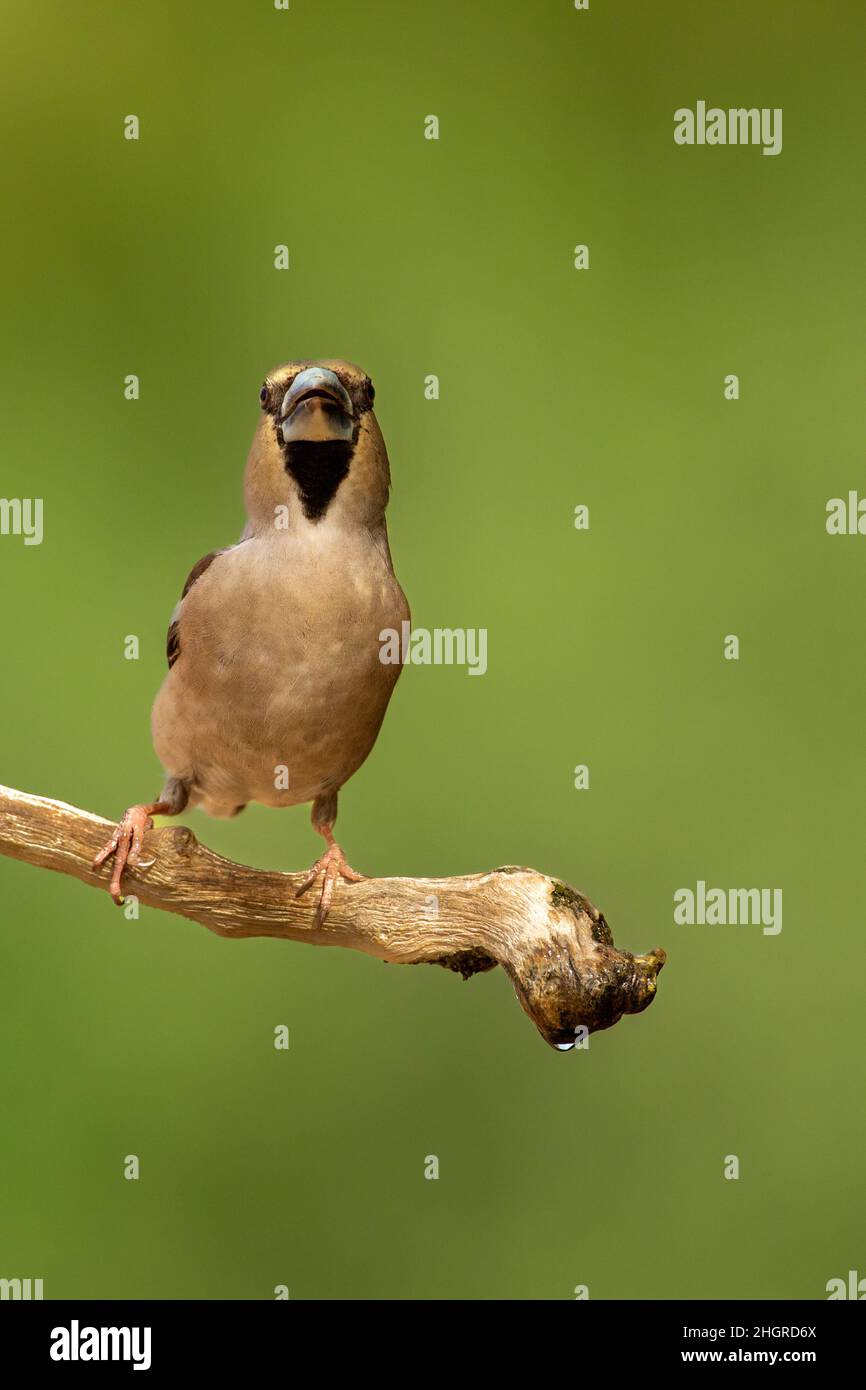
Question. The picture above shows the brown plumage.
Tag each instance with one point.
(275, 691)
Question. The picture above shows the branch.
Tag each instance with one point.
(555, 946)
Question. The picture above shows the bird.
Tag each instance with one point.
(276, 687)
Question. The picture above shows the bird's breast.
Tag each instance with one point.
(280, 690)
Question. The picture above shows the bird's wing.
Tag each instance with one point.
(172, 643)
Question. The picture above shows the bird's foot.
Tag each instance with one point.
(125, 844)
(334, 864)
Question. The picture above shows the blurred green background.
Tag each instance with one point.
(558, 387)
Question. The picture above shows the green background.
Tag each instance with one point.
(558, 387)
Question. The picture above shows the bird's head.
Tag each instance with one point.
(318, 449)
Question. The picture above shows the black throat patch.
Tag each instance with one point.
(318, 467)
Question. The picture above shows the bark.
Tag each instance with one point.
(553, 943)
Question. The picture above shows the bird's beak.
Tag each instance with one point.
(316, 406)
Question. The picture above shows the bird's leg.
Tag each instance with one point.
(127, 840)
(333, 861)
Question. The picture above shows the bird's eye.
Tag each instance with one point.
(263, 395)
(371, 391)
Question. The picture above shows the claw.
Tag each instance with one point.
(333, 861)
(126, 845)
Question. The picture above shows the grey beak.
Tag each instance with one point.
(316, 406)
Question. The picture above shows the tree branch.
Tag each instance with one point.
(555, 946)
